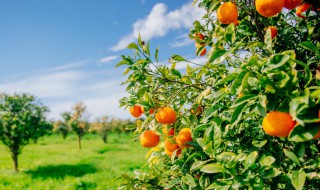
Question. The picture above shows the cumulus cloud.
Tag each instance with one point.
(159, 22)
(182, 40)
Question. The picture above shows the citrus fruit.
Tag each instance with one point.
(291, 4)
(184, 137)
(135, 111)
(269, 8)
(166, 115)
(149, 139)
(278, 124)
(274, 31)
(301, 9)
(227, 13)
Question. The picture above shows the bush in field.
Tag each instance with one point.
(22, 118)
(77, 120)
(102, 126)
(249, 114)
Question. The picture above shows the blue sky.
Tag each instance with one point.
(65, 51)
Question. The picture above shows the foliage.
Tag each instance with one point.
(77, 120)
(22, 118)
(62, 128)
(246, 75)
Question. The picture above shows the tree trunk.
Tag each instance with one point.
(14, 156)
(104, 138)
(79, 143)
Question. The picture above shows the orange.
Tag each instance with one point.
(301, 9)
(203, 52)
(169, 153)
(274, 31)
(170, 146)
(317, 135)
(149, 139)
(227, 13)
(184, 137)
(269, 8)
(291, 4)
(166, 115)
(135, 111)
(278, 124)
(199, 36)
(151, 110)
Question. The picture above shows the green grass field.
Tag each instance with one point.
(54, 163)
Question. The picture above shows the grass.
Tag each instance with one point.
(54, 163)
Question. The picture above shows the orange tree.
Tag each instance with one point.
(257, 93)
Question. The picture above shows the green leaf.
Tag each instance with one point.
(197, 164)
(244, 99)
(250, 160)
(301, 134)
(216, 136)
(259, 143)
(268, 41)
(308, 46)
(226, 157)
(188, 179)
(123, 62)
(275, 62)
(268, 173)
(298, 178)
(229, 78)
(156, 54)
(237, 113)
(215, 54)
(178, 58)
(267, 161)
(176, 73)
(292, 156)
(133, 46)
(230, 34)
(212, 168)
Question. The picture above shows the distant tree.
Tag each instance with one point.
(77, 120)
(102, 126)
(22, 118)
(61, 128)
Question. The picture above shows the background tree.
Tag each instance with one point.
(102, 126)
(62, 128)
(22, 118)
(259, 94)
(77, 120)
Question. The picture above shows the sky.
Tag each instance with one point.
(65, 51)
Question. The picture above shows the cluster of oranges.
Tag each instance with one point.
(165, 116)
(280, 124)
(228, 12)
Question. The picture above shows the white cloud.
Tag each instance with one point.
(107, 59)
(182, 40)
(45, 85)
(159, 22)
(70, 65)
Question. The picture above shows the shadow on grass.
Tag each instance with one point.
(107, 149)
(62, 171)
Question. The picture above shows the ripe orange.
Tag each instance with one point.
(278, 124)
(269, 8)
(169, 153)
(166, 115)
(274, 31)
(135, 111)
(227, 13)
(184, 137)
(170, 146)
(291, 4)
(317, 135)
(149, 139)
(203, 52)
(151, 110)
(301, 9)
(199, 36)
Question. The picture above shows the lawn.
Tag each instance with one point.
(54, 163)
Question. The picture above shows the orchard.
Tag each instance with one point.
(247, 118)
